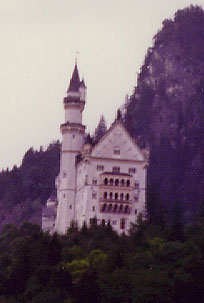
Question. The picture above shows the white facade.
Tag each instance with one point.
(111, 181)
(107, 181)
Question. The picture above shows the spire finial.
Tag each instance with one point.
(76, 58)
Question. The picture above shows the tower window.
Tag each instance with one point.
(64, 174)
(116, 169)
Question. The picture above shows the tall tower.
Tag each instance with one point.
(72, 140)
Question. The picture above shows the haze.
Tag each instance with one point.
(39, 42)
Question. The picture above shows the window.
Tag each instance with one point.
(136, 198)
(94, 195)
(116, 182)
(94, 181)
(110, 208)
(115, 208)
(64, 195)
(116, 196)
(116, 150)
(70, 206)
(106, 181)
(121, 196)
(73, 136)
(122, 182)
(86, 180)
(104, 207)
(105, 195)
(137, 185)
(111, 181)
(116, 169)
(122, 223)
(128, 183)
(64, 174)
(132, 170)
(114, 222)
(127, 197)
(126, 209)
(93, 208)
(100, 167)
(135, 211)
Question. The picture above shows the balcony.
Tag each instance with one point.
(115, 208)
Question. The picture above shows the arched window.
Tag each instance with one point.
(111, 181)
(110, 208)
(121, 209)
(105, 195)
(116, 182)
(126, 209)
(128, 183)
(121, 196)
(111, 196)
(116, 196)
(104, 207)
(122, 182)
(106, 181)
(115, 208)
(127, 197)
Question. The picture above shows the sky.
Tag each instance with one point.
(40, 40)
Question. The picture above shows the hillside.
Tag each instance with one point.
(166, 112)
(24, 189)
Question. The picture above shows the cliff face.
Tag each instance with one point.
(166, 110)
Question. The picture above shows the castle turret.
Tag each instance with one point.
(72, 140)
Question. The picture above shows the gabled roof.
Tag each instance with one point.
(75, 81)
(129, 148)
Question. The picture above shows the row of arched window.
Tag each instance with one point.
(111, 208)
(116, 196)
(116, 182)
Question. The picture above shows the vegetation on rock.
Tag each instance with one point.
(166, 111)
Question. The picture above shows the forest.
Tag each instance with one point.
(158, 262)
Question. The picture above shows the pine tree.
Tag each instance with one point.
(100, 130)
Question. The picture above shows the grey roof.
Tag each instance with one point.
(75, 81)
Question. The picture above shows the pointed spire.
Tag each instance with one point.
(75, 81)
(82, 84)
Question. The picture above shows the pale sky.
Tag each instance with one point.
(39, 41)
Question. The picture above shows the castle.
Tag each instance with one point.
(105, 182)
